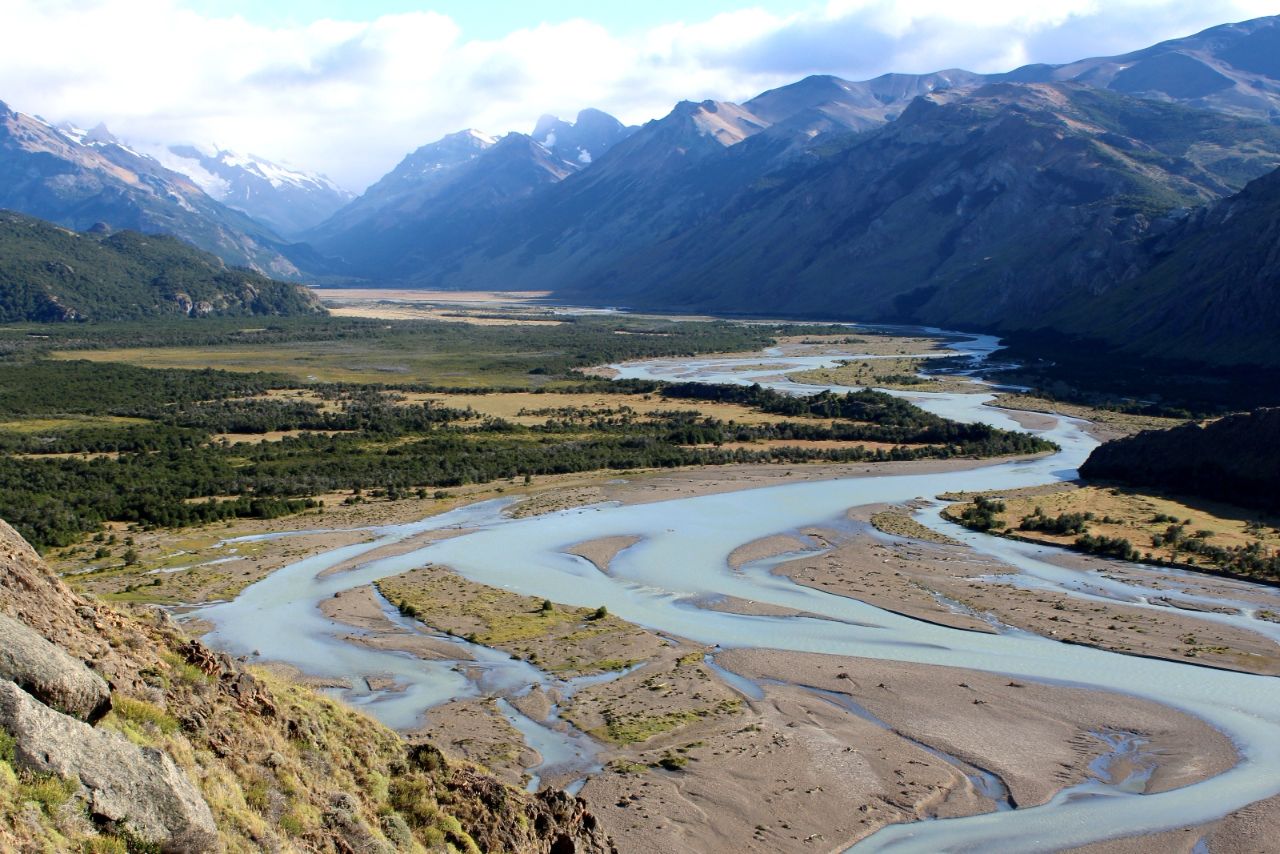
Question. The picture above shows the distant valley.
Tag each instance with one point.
(1058, 198)
(1048, 197)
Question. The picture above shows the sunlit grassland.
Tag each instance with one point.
(38, 425)
(368, 361)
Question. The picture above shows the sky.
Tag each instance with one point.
(349, 88)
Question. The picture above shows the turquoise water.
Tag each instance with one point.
(681, 560)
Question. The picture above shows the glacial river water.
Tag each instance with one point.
(681, 559)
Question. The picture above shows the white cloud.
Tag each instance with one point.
(351, 98)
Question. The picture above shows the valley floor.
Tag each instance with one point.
(804, 752)
(685, 746)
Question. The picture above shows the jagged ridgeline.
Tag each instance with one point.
(119, 734)
(48, 273)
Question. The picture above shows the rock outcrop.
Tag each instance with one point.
(50, 697)
(33, 596)
(136, 789)
(49, 674)
(202, 753)
(554, 823)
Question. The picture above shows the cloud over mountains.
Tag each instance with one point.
(349, 98)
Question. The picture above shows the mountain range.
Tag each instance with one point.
(1048, 197)
(1061, 197)
(450, 189)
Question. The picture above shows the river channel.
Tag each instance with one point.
(681, 560)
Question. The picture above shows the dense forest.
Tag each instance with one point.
(870, 415)
(109, 442)
(1233, 459)
(585, 338)
(48, 273)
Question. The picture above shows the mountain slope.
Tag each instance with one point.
(666, 177)
(48, 273)
(400, 192)
(1232, 68)
(1210, 287)
(822, 104)
(48, 173)
(448, 190)
(1233, 459)
(275, 766)
(442, 192)
(985, 208)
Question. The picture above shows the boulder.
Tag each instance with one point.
(343, 818)
(138, 788)
(48, 673)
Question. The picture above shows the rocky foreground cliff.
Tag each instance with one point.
(120, 734)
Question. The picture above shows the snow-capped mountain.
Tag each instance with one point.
(78, 178)
(287, 199)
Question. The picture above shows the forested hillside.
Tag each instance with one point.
(1232, 460)
(48, 273)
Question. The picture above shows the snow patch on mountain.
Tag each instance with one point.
(214, 185)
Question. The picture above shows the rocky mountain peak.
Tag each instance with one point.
(469, 137)
(547, 124)
(101, 135)
(778, 105)
(591, 118)
(582, 141)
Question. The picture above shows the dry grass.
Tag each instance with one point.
(1112, 423)
(809, 444)
(270, 436)
(1132, 515)
(883, 373)
(326, 361)
(559, 638)
(901, 524)
(861, 343)
(486, 298)
(39, 425)
(399, 311)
